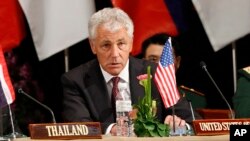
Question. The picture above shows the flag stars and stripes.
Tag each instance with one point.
(165, 77)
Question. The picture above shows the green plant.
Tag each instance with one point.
(146, 124)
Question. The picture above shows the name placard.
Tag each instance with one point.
(217, 126)
(75, 130)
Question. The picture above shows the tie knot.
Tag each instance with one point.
(115, 80)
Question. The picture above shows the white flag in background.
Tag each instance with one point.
(57, 24)
(224, 20)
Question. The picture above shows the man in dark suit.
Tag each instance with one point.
(87, 88)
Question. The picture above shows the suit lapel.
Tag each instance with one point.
(97, 89)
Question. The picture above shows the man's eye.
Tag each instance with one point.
(153, 59)
(121, 44)
(105, 46)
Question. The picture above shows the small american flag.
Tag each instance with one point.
(165, 76)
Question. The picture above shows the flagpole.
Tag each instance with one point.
(234, 65)
(14, 133)
(173, 114)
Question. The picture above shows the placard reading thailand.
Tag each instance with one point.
(76, 130)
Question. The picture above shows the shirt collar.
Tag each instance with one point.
(124, 74)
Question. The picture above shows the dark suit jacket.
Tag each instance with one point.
(242, 96)
(86, 96)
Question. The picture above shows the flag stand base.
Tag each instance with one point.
(14, 135)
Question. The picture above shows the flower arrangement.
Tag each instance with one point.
(145, 122)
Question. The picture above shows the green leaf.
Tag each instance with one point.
(149, 126)
(154, 134)
(162, 126)
(165, 132)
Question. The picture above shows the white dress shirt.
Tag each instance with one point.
(122, 84)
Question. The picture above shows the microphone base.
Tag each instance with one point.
(4, 139)
(14, 135)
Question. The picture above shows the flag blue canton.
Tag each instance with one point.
(167, 56)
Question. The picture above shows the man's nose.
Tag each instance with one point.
(115, 50)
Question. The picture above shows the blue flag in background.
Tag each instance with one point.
(179, 12)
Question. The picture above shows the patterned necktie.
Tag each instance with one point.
(115, 92)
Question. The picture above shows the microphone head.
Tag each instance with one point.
(203, 65)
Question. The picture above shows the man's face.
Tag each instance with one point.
(154, 51)
(112, 49)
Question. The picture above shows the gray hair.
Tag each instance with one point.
(113, 19)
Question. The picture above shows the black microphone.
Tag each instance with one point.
(33, 99)
(204, 67)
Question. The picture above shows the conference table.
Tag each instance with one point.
(115, 138)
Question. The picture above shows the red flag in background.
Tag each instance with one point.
(149, 17)
(12, 29)
(7, 93)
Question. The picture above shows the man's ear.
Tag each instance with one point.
(131, 47)
(91, 42)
